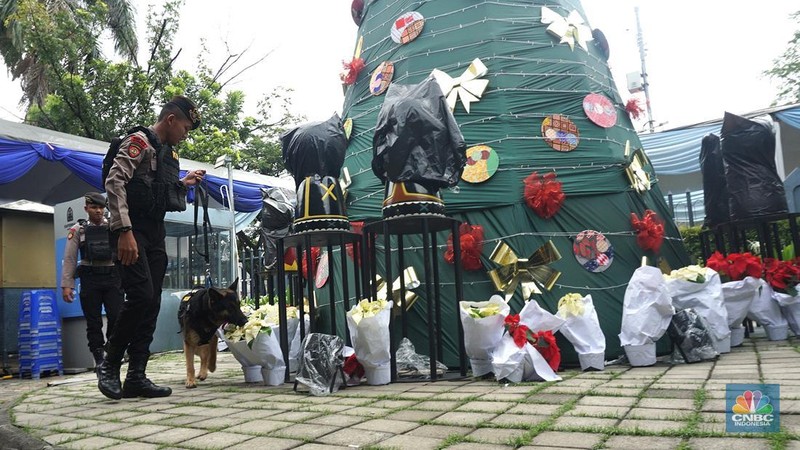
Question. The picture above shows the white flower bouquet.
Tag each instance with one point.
(483, 329)
(646, 313)
(257, 344)
(368, 323)
(582, 328)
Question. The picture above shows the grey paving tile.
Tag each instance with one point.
(216, 440)
(409, 442)
(464, 418)
(530, 408)
(134, 446)
(518, 420)
(414, 415)
(439, 431)
(599, 400)
(567, 440)
(337, 420)
(582, 423)
(387, 426)
(136, 431)
(642, 442)
(489, 407)
(270, 443)
(496, 435)
(354, 437)
(651, 425)
(727, 443)
(366, 411)
(476, 446)
(437, 405)
(304, 431)
(671, 403)
(659, 414)
(174, 436)
(90, 443)
(58, 438)
(258, 427)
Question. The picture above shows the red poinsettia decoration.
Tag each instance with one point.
(783, 276)
(649, 230)
(543, 194)
(736, 266)
(471, 246)
(357, 228)
(351, 70)
(633, 108)
(314, 261)
(546, 345)
(519, 332)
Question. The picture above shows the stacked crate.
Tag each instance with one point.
(39, 334)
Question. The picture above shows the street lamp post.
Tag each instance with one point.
(227, 161)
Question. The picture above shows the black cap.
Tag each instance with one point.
(188, 108)
(95, 198)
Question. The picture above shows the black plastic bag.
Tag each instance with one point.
(417, 138)
(690, 334)
(748, 152)
(277, 214)
(315, 148)
(715, 186)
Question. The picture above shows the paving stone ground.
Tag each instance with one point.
(647, 408)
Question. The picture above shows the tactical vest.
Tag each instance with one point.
(96, 246)
(162, 191)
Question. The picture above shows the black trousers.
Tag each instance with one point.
(142, 283)
(98, 290)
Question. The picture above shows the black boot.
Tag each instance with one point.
(137, 384)
(108, 372)
(98, 360)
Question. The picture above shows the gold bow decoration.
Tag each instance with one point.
(570, 29)
(571, 305)
(637, 175)
(528, 273)
(412, 282)
(345, 181)
(469, 87)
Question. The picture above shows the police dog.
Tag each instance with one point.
(201, 312)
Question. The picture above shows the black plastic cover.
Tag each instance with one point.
(417, 138)
(715, 186)
(690, 335)
(277, 214)
(315, 148)
(748, 152)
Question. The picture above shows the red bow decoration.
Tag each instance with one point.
(633, 108)
(519, 332)
(543, 194)
(357, 228)
(650, 230)
(351, 70)
(547, 347)
(736, 266)
(352, 368)
(314, 261)
(471, 246)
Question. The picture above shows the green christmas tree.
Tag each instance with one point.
(520, 72)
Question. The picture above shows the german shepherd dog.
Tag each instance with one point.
(201, 312)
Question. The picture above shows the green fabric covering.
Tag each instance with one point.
(531, 75)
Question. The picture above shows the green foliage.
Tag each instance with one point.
(787, 68)
(691, 240)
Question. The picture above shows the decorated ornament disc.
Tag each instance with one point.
(600, 110)
(348, 127)
(321, 277)
(356, 10)
(593, 251)
(381, 77)
(482, 163)
(560, 133)
(407, 27)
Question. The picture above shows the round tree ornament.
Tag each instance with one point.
(593, 251)
(560, 133)
(407, 27)
(600, 110)
(482, 163)
(381, 78)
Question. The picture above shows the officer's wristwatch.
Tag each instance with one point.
(124, 229)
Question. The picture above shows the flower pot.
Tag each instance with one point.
(273, 377)
(737, 336)
(777, 332)
(641, 355)
(592, 361)
(377, 376)
(252, 374)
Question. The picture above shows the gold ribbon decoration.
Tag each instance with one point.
(528, 273)
(570, 29)
(345, 181)
(571, 305)
(412, 282)
(637, 175)
(469, 87)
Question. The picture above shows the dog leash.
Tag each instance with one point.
(202, 198)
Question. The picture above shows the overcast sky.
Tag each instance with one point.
(704, 57)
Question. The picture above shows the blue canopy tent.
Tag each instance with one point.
(675, 155)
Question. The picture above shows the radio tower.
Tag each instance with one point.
(645, 83)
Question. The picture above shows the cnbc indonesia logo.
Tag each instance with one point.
(752, 409)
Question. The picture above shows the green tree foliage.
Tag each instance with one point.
(99, 98)
(787, 68)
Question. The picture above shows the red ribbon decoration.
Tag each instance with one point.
(633, 108)
(314, 261)
(352, 368)
(351, 70)
(543, 194)
(471, 246)
(650, 230)
(518, 332)
(357, 228)
(547, 347)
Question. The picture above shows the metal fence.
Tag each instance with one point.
(688, 208)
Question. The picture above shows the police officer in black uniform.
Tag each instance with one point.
(100, 282)
(142, 185)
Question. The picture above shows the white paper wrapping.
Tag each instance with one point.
(705, 298)
(481, 336)
(738, 296)
(295, 347)
(526, 363)
(585, 334)
(265, 352)
(766, 311)
(647, 308)
(790, 307)
(370, 338)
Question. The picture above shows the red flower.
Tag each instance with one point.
(783, 276)
(650, 230)
(471, 247)
(545, 343)
(520, 333)
(314, 261)
(351, 70)
(717, 263)
(633, 108)
(543, 194)
(736, 266)
(352, 368)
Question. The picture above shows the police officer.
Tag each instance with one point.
(100, 283)
(142, 185)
